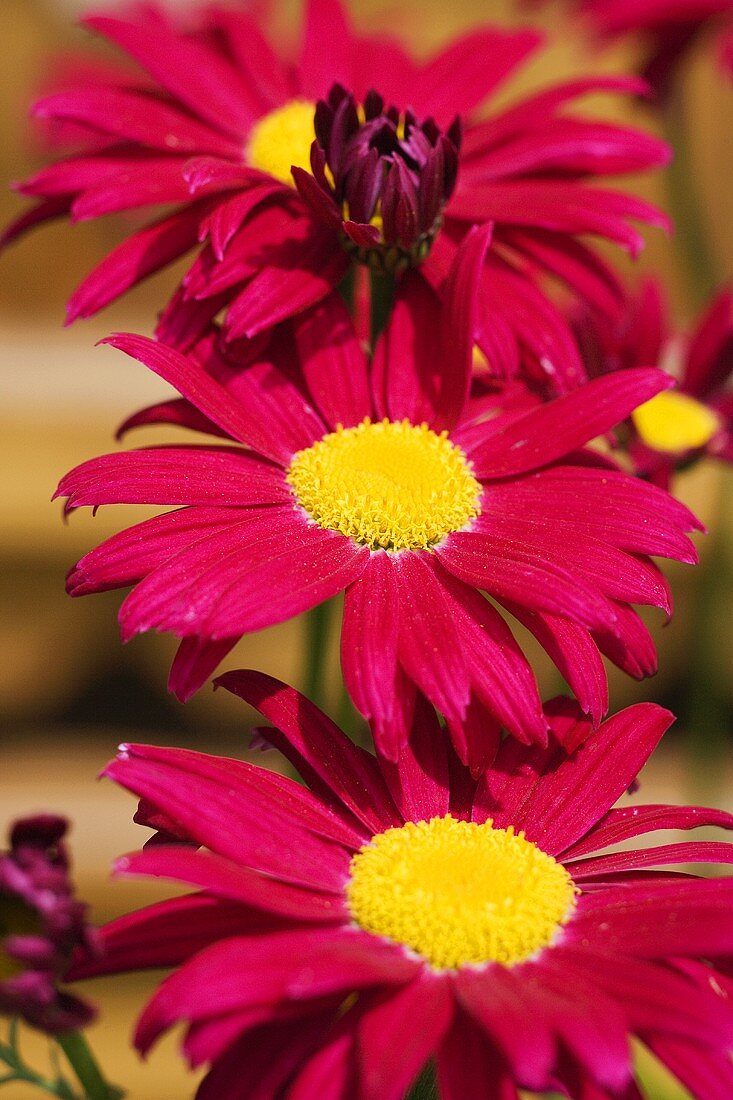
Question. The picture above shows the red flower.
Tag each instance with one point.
(695, 419)
(214, 133)
(668, 29)
(389, 481)
(41, 924)
(512, 953)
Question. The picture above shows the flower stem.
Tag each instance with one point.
(318, 629)
(691, 231)
(426, 1086)
(84, 1065)
(383, 287)
(704, 712)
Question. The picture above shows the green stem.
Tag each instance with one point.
(383, 287)
(84, 1065)
(426, 1086)
(318, 624)
(691, 231)
(704, 712)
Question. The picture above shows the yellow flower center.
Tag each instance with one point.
(674, 421)
(283, 138)
(458, 893)
(391, 485)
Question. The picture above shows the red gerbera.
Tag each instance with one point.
(342, 936)
(695, 419)
(216, 131)
(389, 481)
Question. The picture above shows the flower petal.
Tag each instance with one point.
(301, 965)
(392, 1049)
(272, 825)
(339, 771)
(574, 653)
(302, 268)
(620, 862)
(525, 785)
(409, 339)
(225, 879)
(141, 255)
(369, 644)
(510, 1011)
(195, 660)
(549, 432)
(167, 934)
(469, 1065)
(193, 73)
(268, 568)
(457, 79)
(631, 821)
(688, 917)
(418, 779)
(140, 118)
(459, 322)
(336, 371)
(510, 570)
(130, 555)
(202, 476)
(234, 417)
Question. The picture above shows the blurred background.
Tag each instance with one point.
(68, 691)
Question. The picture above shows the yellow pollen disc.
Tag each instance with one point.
(673, 421)
(283, 138)
(458, 893)
(391, 485)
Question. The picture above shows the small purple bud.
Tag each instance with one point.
(384, 174)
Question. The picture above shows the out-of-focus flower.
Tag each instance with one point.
(220, 120)
(390, 481)
(340, 936)
(41, 924)
(679, 426)
(668, 29)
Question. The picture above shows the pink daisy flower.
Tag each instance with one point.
(682, 425)
(390, 482)
(668, 29)
(215, 127)
(340, 936)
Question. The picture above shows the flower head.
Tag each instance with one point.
(401, 911)
(680, 426)
(216, 123)
(388, 176)
(41, 924)
(668, 30)
(390, 481)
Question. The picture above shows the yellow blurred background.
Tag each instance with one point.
(68, 691)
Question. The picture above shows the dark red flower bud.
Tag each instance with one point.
(383, 175)
(41, 924)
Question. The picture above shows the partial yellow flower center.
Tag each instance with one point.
(674, 421)
(458, 893)
(391, 485)
(283, 138)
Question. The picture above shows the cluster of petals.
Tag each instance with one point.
(41, 925)
(285, 994)
(668, 28)
(180, 134)
(562, 540)
(701, 363)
